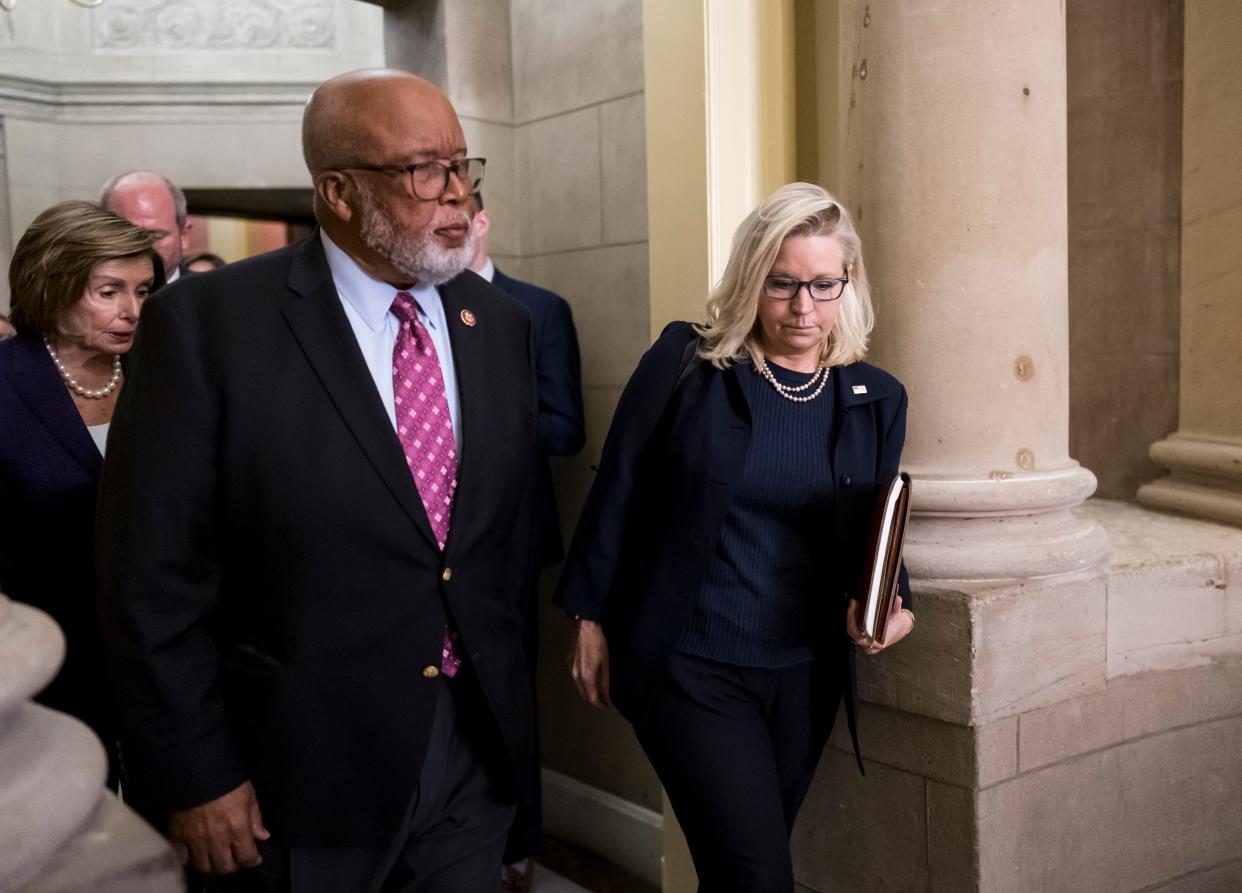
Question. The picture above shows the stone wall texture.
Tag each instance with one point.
(1125, 187)
(1094, 748)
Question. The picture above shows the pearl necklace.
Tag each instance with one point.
(788, 391)
(89, 393)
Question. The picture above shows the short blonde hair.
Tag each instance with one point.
(796, 209)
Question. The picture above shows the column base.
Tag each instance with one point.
(1205, 478)
(999, 529)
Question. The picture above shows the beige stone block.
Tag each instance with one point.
(1125, 162)
(568, 54)
(1120, 47)
(480, 79)
(607, 289)
(1129, 707)
(1126, 287)
(1226, 878)
(623, 166)
(1233, 594)
(29, 145)
(1119, 819)
(559, 165)
(26, 202)
(850, 829)
(501, 186)
(1141, 538)
(1159, 616)
(958, 755)
(929, 673)
(952, 842)
(1038, 643)
(1113, 424)
(272, 160)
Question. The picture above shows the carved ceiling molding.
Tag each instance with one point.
(215, 25)
(119, 102)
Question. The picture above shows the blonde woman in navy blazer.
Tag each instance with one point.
(722, 541)
(78, 276)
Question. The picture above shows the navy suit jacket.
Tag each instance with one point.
(49, 472)
(649, 528)
(562, 429)
(271, 589)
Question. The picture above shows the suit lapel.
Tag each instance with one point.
(314, 313)
(470, 362)
(36, 381)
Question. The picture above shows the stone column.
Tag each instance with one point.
(952, 130)
(60, 830)
(1204, 455)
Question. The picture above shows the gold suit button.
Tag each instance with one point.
(430, 672)
(446, 574)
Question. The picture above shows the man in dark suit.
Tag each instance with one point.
(562, 432)
(314, 528)
(154, 202)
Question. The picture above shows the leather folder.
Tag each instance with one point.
(885, 539)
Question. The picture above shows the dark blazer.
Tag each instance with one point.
(270, 585)
(49, 471)
(652, 519)
(562, 429)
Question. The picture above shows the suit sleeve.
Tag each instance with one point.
(159, 571)
(524, 560)
(890, 465)
(595, 554)
(562, 431)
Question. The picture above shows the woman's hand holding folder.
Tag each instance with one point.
(900, 622)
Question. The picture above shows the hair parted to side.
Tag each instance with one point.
(52, 262)
(796, 209)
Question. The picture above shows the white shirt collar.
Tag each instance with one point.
(489, 271)
(370, 298)
(170, 278)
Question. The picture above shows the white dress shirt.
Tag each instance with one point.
(368, 304)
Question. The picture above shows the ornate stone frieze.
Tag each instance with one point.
(215, 24)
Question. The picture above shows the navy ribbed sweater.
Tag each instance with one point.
(760, 599)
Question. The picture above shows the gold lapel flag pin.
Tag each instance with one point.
(468, 318)
(860, 389)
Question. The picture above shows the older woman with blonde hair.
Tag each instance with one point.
(722, 542)
(77, 279)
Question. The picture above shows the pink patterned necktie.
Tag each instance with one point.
(425, 429)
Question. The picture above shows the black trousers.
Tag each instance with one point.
(736, 749)
(526, 835)
(454, 833)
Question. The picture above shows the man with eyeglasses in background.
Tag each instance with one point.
(315, 527)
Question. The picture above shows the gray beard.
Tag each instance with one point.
(413, 252)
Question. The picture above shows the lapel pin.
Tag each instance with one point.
(860, 389)
(468, 318)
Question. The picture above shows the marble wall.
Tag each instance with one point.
(551, 92)
(208, 93)
(1125, 177)
(581, 162)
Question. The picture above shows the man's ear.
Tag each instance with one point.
(185, 235)
(334, 189)
(482, 224)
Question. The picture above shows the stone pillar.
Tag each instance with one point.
(952, 130)
(1204, 455)
(60, 830)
